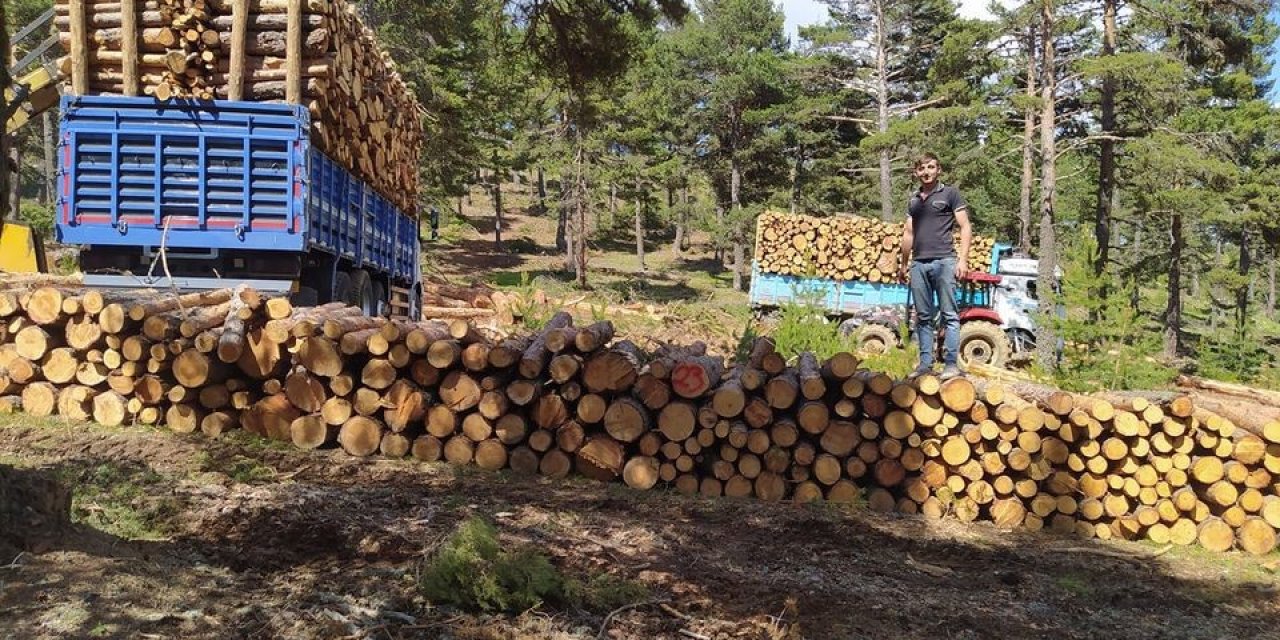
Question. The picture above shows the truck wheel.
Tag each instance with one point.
(984, 343)
(362, 292)
(415, 303)
(849, 327)
(342, 288)
(380, 303)
(305, 297)
(875, 338)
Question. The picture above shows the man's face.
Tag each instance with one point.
(927, 171)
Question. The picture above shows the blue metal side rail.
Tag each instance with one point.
(349, 219)
(218, 175)
(848, 296)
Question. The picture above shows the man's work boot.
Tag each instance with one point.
(921, 370)
(950, 371)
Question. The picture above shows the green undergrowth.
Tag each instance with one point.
(239, 468)
(804, 327)
(473, 570)
(125, 501)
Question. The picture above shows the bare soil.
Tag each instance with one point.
(320, 545)
(182, 537)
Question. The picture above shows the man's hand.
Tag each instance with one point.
(903, 272)
(962, 269)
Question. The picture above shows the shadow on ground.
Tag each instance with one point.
(326, 544)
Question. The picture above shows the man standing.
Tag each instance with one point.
(929, 256)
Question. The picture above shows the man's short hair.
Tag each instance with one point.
(925, 157)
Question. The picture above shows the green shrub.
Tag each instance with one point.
(1226, 355)
(804, 327)
(898, 362)
(1108, 346)
(1268, 377)
(1112, 365)
(472, 571)
(39, 216)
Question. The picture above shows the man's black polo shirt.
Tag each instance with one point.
(933, 220)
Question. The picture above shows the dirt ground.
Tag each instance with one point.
(261, 542)
(182, 537)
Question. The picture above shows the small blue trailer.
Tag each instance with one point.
(202, 195)
(996, 308)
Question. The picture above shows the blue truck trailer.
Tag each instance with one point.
(202, 195)
(997, 309)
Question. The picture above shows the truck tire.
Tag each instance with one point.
(341, 288)
(875, 338)
(415, 304)
(362, 292)
(381, 305)
(984, 343)
(305, 297)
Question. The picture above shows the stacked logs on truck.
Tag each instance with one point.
(363, 115)
(570, 398)
(842, 247)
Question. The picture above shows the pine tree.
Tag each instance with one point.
(891, 44)
(738, 49)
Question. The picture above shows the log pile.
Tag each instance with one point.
(843, 247)
(570, 398)
(363, 115)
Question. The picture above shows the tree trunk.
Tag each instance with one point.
(1134, 298)
(542, 192)
(719, 225)
(497, 211)
(1028, 149)
(1106, 156)
(797, 169)
(613, 203)
(1271, 281)
(47, 193)
(1046, 341)
(1173, 310)
(735, 185)
(562, 223)
(882, 110)
(682, 219)
(1244, 265)
(639, 226)
(580, 210)
(15, 161)
(5, 140)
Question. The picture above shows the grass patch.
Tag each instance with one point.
(474, 571)
(1074, 585)
(121, 501)
(254, 443)
(249, 471)
(239, 468)
(604, 592)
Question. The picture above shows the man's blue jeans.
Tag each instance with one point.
(933, 292)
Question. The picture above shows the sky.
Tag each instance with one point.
(800, 12)
(1275, 62)
(811, 11)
